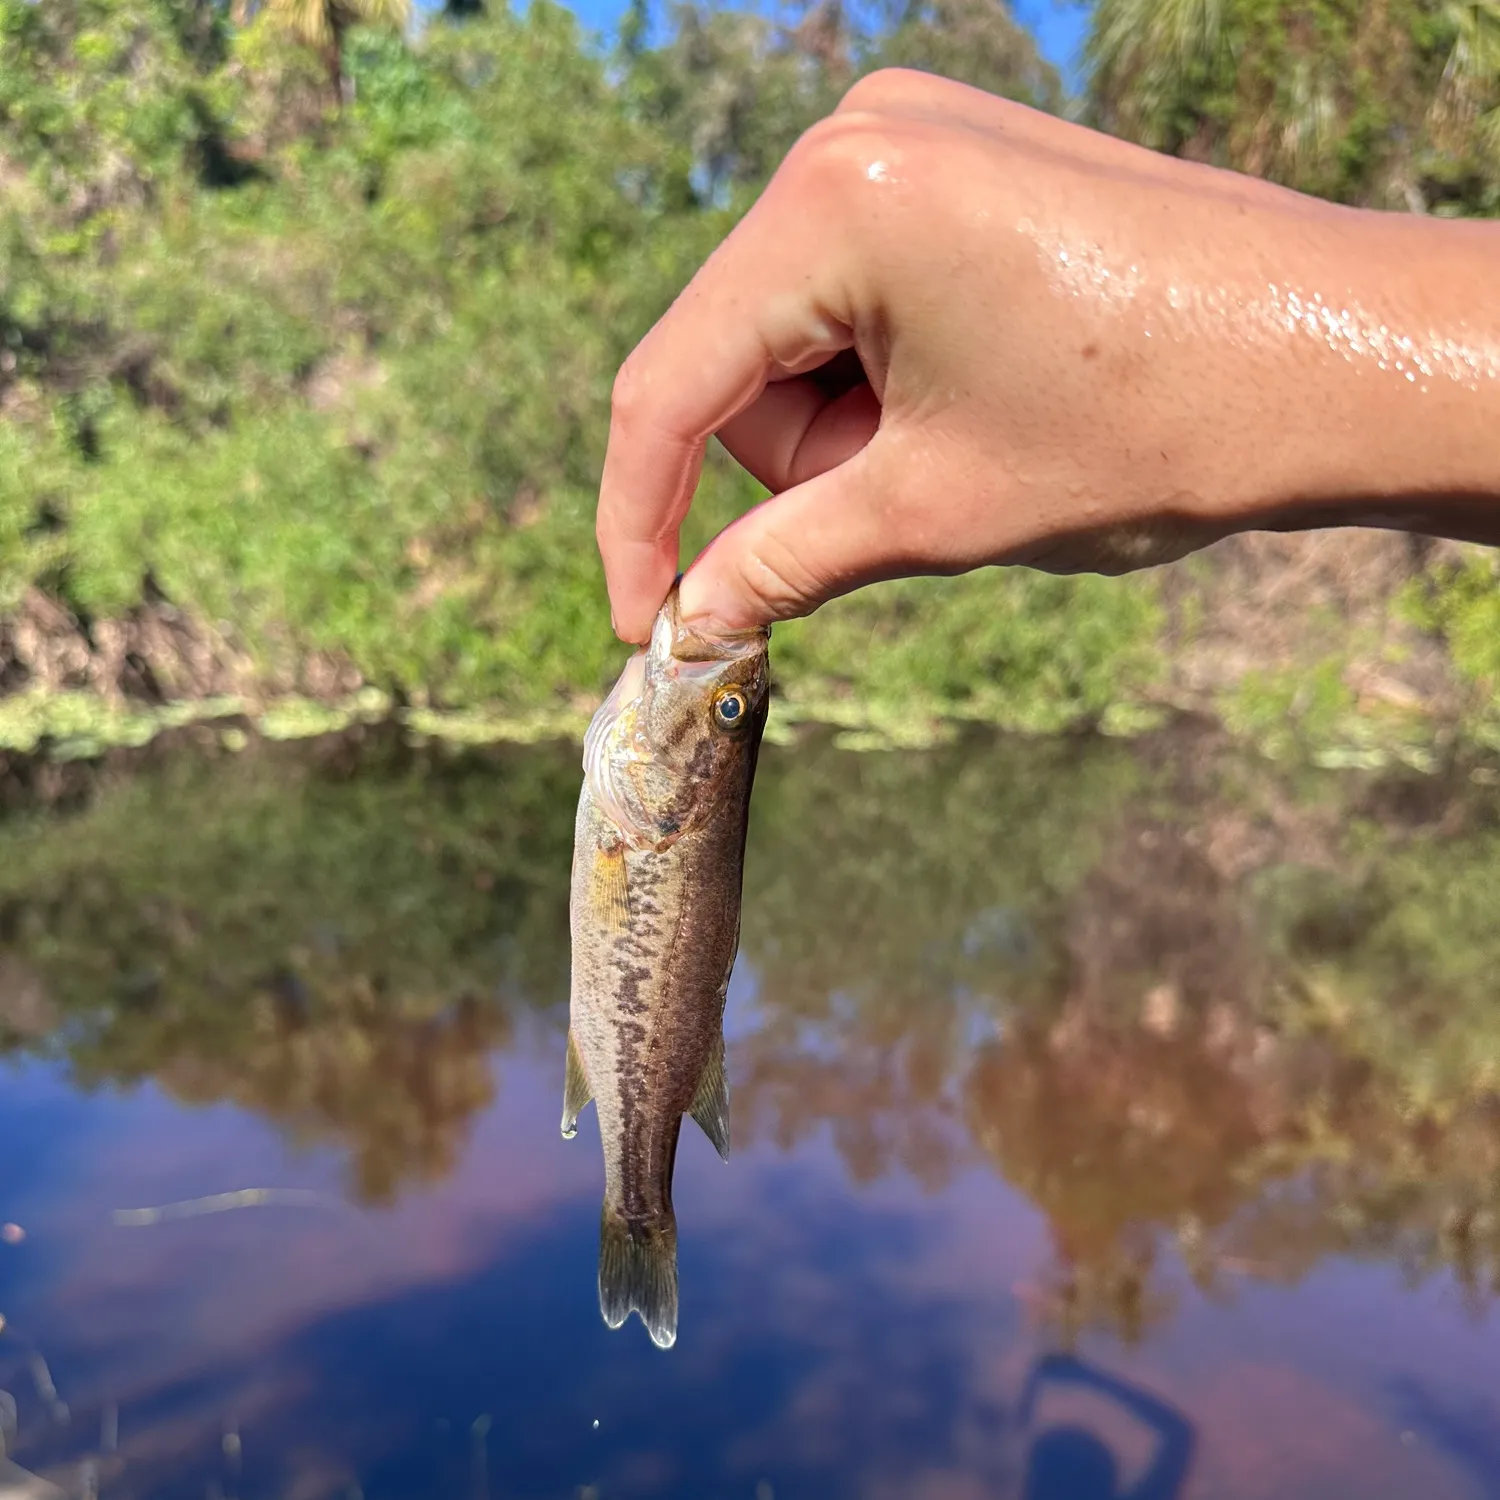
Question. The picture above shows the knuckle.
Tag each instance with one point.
(884, 88)
(840, 151)
(771, 573)
(628, 391)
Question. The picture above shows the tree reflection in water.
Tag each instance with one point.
(1191, 1007)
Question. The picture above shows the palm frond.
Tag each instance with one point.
(1309, 123)
(392, 13)
(1142, 52)
(1471, 77)
(317, 22)
(1487, 134)
(311, 21)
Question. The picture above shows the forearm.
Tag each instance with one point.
(1369, 390)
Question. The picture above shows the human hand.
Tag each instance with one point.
(955, 331)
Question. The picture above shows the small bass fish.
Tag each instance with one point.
(658, 854)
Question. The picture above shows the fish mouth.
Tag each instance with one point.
(674, 640)
(616, 739)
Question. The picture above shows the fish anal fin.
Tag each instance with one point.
(638, 1273)
(576, 1090)
(710, 1106)
(609, 889)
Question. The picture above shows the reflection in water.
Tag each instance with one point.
(1467, 1430)
(1129, 1034)
(337, 952)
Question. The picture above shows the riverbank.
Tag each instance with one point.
(1311, 646)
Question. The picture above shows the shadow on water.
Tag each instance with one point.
(1197, 1027)
(1073, 1463)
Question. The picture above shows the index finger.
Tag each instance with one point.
(774, 300)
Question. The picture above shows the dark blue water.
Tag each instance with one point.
(1010, 1070)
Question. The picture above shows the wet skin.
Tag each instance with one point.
(955, 331)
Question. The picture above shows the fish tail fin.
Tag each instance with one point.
(638, 1272)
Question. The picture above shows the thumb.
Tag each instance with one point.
(845, 528)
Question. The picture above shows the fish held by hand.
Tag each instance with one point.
(658, 855)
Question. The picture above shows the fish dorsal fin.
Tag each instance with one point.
(609, 889)
(576, 1090)
(711, 1103)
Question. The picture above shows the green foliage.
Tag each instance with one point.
(735, 88)
(1462, 601)
(355, 402)
(975, 42)
(1391, 103)
(732, 91)
(100, 100)
(1284, 710)
(30, 550)
(1022, 649)
(333, 375)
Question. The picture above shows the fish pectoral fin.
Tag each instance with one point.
(576, 1090)
(609, 890)
(710, 1106)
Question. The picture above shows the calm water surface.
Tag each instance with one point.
(1108, 1122)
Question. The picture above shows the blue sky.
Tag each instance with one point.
(1058, 25)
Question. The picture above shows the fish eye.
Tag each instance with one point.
(730, 708)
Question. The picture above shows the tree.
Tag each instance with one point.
(737, 87)
(323, 25)
(978, 42)
(1390, 103)
(1150, 62)
(732, 89)
(1464, 120)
